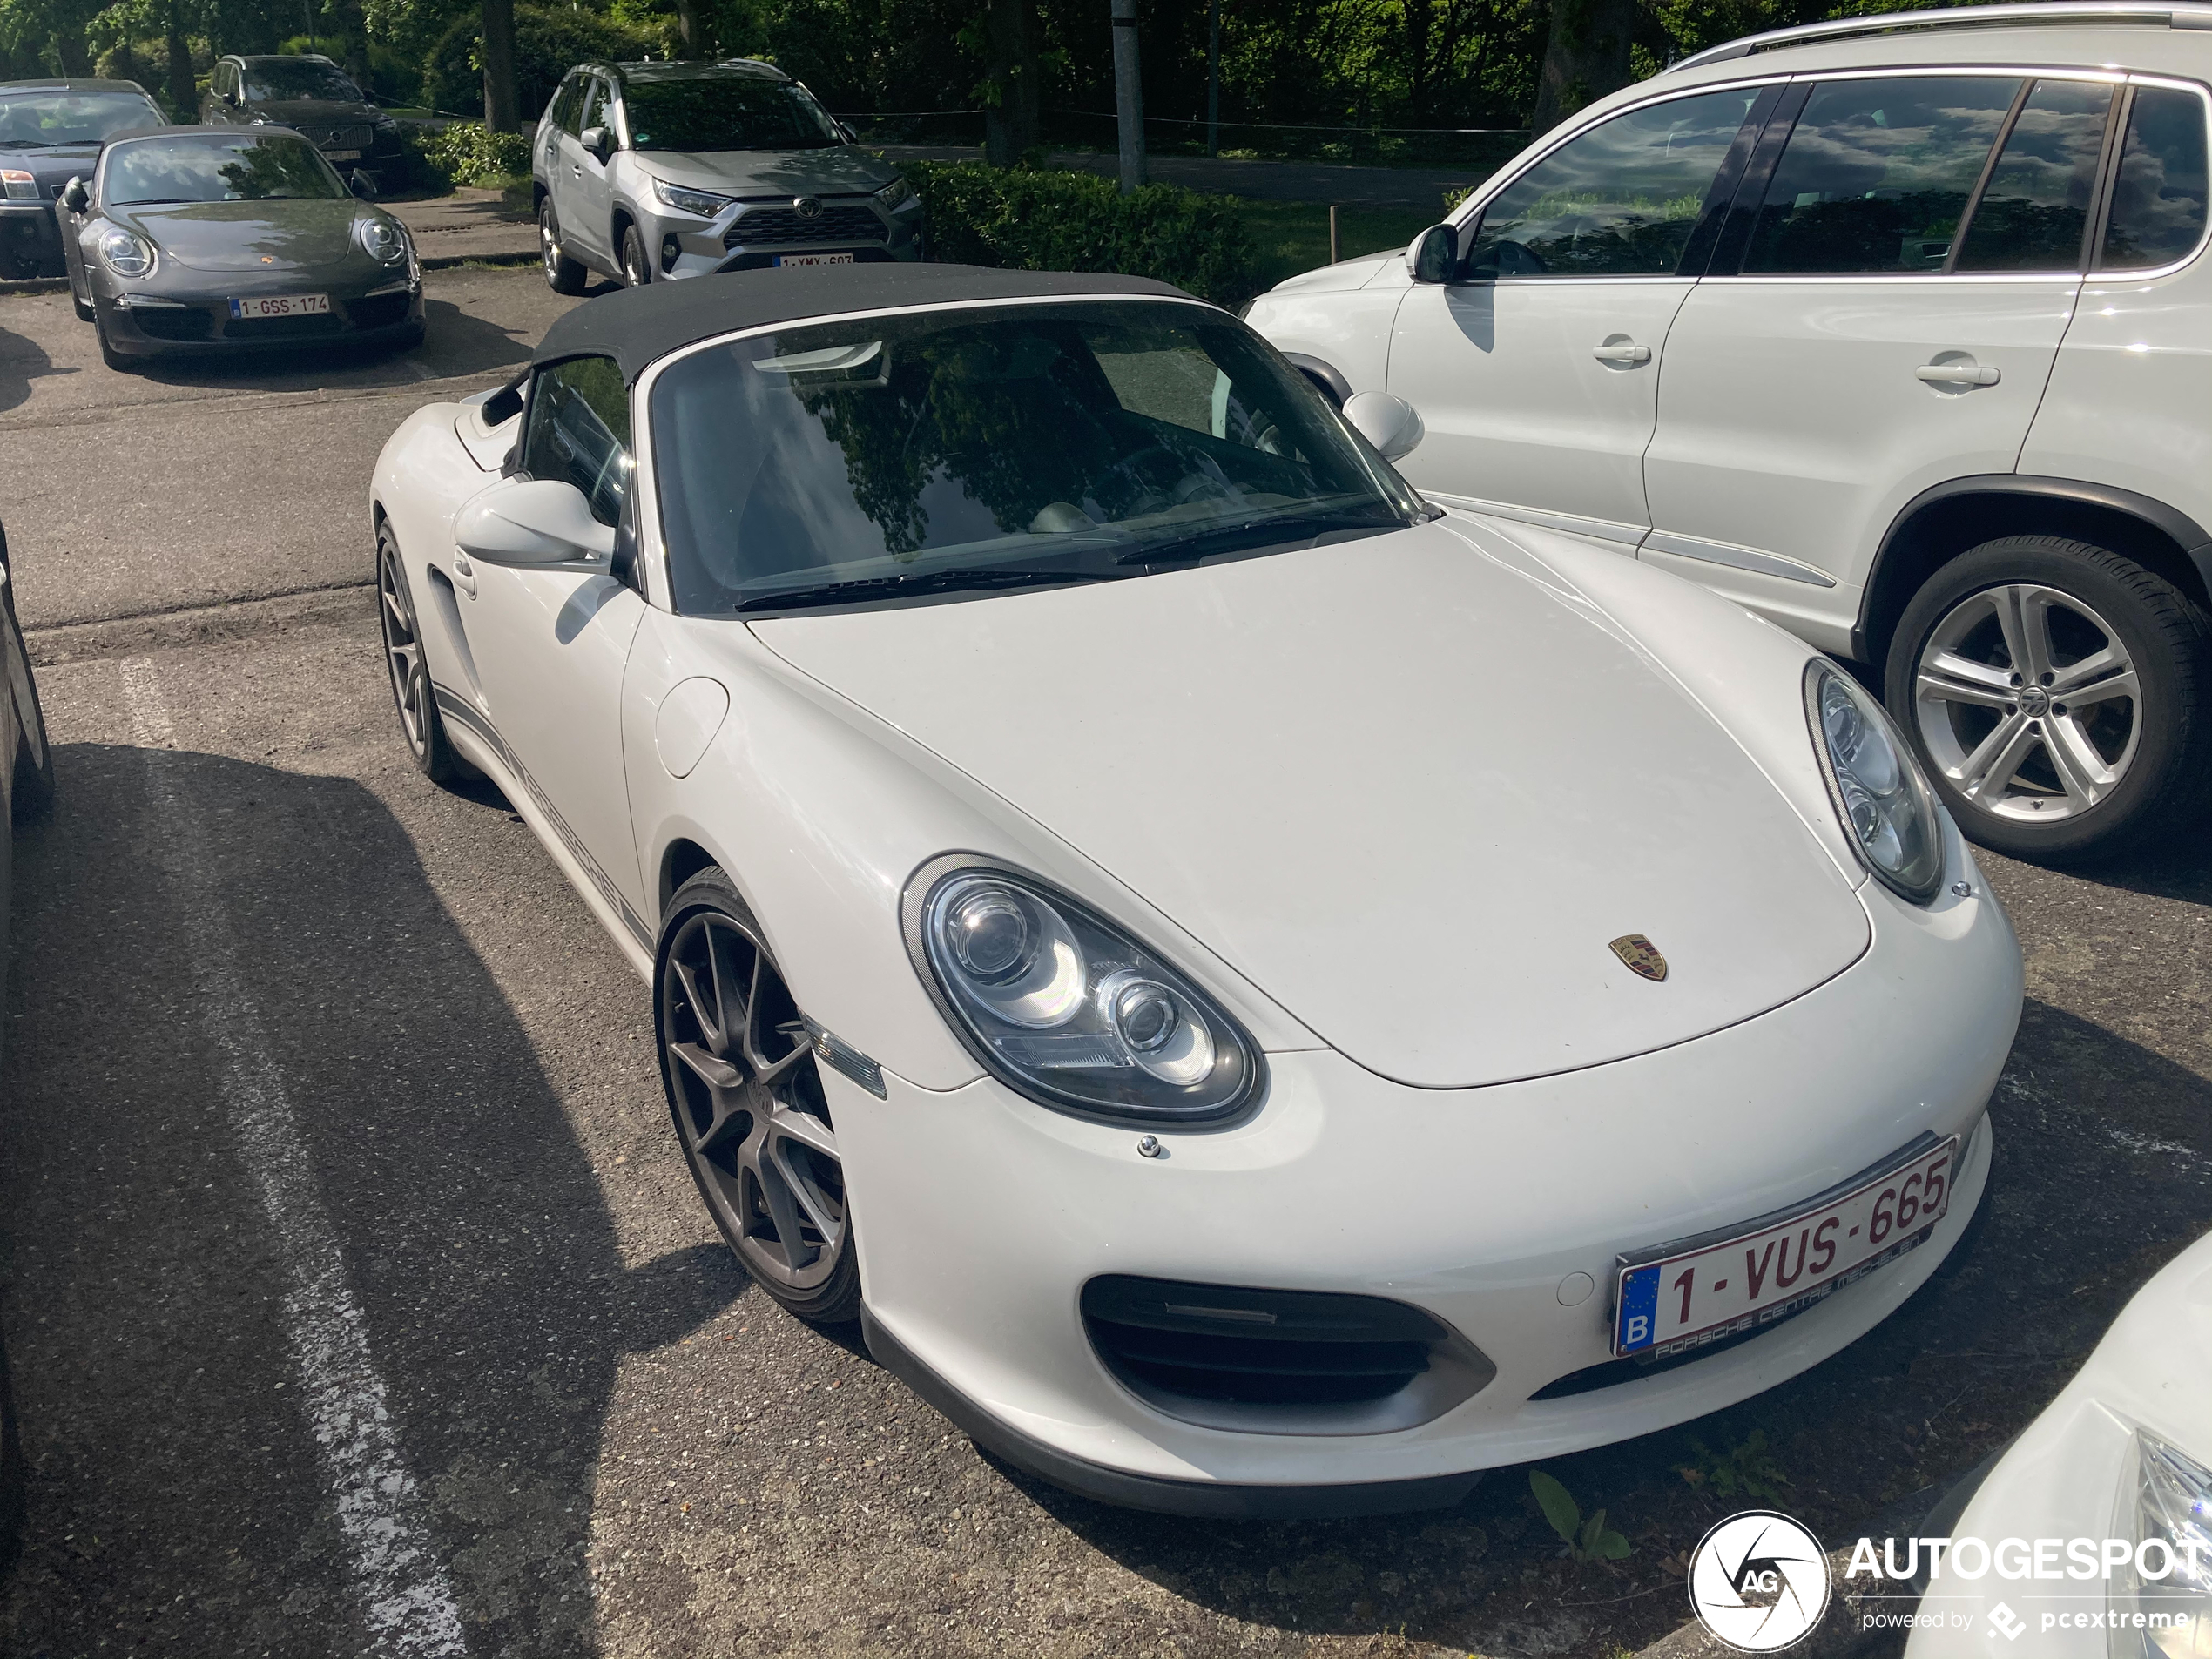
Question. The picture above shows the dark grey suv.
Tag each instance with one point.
(648, 171)
(316, 99)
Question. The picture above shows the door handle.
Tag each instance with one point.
(1621, 354)
(464, 575)
(1957, 374)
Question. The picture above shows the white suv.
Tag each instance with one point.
(1898, 331)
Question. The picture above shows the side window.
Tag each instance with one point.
(595, 107)
(1618, 200)
(2158, 198)
(2035, 207)
(561, 113)
(579, 432)
(1876, 174)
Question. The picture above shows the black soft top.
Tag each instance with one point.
(639, 326)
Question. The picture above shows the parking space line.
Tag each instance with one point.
(410, 1609)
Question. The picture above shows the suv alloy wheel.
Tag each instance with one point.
(2055, 691)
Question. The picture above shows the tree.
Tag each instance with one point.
(1586, 58)
(501, 99)
(1011, 94)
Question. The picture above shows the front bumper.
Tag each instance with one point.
(143, 324)
(30, 244)
(986, 1215)
(752, 235)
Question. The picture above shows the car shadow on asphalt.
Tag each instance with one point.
(2103, 1174)
(455, 344)
(174, 1490)
(22, 361)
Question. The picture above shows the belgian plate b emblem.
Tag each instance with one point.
(1641, 957)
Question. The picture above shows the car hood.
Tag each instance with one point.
(264, 236)
(311, 112)
(842, 172)
(53, 168)
(1410, 791)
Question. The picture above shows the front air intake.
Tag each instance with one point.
(1279, 1362)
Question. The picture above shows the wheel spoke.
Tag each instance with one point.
(399, 617)
(701, 1004)
(725, 1096)
(807, 1129)
(2080, 768)
(730, 1009)
(1953, 678)
(2097, 677)
(1997, 757)
(827, 1219)
(758, 1159)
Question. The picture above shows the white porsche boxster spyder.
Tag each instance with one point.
(1264, 998)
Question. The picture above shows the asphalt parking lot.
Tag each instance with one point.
(273, 993)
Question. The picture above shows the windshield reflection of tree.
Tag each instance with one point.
(271, 169)
(1020, 420)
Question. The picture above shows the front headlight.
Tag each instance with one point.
(1887, 807)
(705, 204)
(897, 193)
(2165, 1500)
(383, 241)
(1070, 1010)
(126, 255)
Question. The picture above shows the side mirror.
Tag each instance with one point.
(1434, 255)
(231, 99)
(75, 197)
(362, 185)
(538, 521)
(598, 142)
(849, 136)
(1392, 424)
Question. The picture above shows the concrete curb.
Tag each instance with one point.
(1839, 1635)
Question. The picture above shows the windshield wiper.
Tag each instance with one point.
(1255, 532)
(891, 587)
(158, 201)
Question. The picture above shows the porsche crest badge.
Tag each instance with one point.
(1641, 957)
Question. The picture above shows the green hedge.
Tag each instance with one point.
(465, 153)
(547, 41)
(1027, 220)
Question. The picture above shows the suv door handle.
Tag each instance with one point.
(1611, 353)
(1966, 373)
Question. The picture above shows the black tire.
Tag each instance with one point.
(562, 274)
(82, 308)
(2094, 775)
(114, 358)
(637, 265)
(414, 697)
(745, 1099)
(33, 790)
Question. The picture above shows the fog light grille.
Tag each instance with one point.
(1279, 1362)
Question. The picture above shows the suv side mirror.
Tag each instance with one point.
(75, 197)
(1392, 424)
(533, 522)
(598, 142)
(231, 99)
(1434, 255)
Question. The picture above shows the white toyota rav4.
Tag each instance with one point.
(1898, 331)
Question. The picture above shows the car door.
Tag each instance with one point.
(582, 196)
(550, 643)
(1885, 302)
(558, 122)
(1536, 373)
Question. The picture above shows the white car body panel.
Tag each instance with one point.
(1817, 1023)
(1357, 881)
(2062, 1478)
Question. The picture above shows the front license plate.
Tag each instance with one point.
(281, 305)
(343, 155)
(1708, 1288)
(813, 258)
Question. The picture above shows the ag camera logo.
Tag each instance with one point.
(1758, 1581)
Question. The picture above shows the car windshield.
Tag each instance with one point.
(218, 167)
(34, 120)
(279, 79)
(995, 444)
(742, 112)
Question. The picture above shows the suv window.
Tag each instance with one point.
(2158, 198)
(1618, 200)
(595, 107)
(579, 432)
(565, 103)
(1876, 173)
(2035, 207)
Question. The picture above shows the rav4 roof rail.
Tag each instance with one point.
(2184, 16)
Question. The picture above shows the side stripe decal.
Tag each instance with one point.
(456, 707)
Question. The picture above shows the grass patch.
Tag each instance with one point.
(1291, 237)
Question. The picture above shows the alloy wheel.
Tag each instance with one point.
(2028, 702)
(749, 1107)
(402, 647)
(548, 245)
